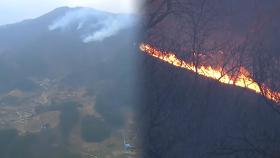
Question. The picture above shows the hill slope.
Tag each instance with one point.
(65, 44)
(184, 117)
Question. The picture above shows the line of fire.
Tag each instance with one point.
(242, 79)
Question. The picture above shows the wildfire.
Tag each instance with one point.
(243, 79)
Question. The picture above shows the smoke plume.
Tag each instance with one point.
(94, 25)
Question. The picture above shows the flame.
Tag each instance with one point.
(243, 79)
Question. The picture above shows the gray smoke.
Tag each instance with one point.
(102, 24)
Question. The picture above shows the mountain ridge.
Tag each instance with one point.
(29, 49)
(31, 28)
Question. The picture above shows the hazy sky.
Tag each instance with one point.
(16, 10)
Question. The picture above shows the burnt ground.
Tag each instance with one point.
(183, 115)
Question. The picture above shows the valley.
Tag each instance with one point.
(32, 113)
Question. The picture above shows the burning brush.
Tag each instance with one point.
(242, 79)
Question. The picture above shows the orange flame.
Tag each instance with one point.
(243, 79)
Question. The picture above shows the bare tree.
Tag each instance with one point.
(156, 11)
(261, 57)
(199, 20)
(265, 57)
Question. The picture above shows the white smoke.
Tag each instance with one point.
(105, 24)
